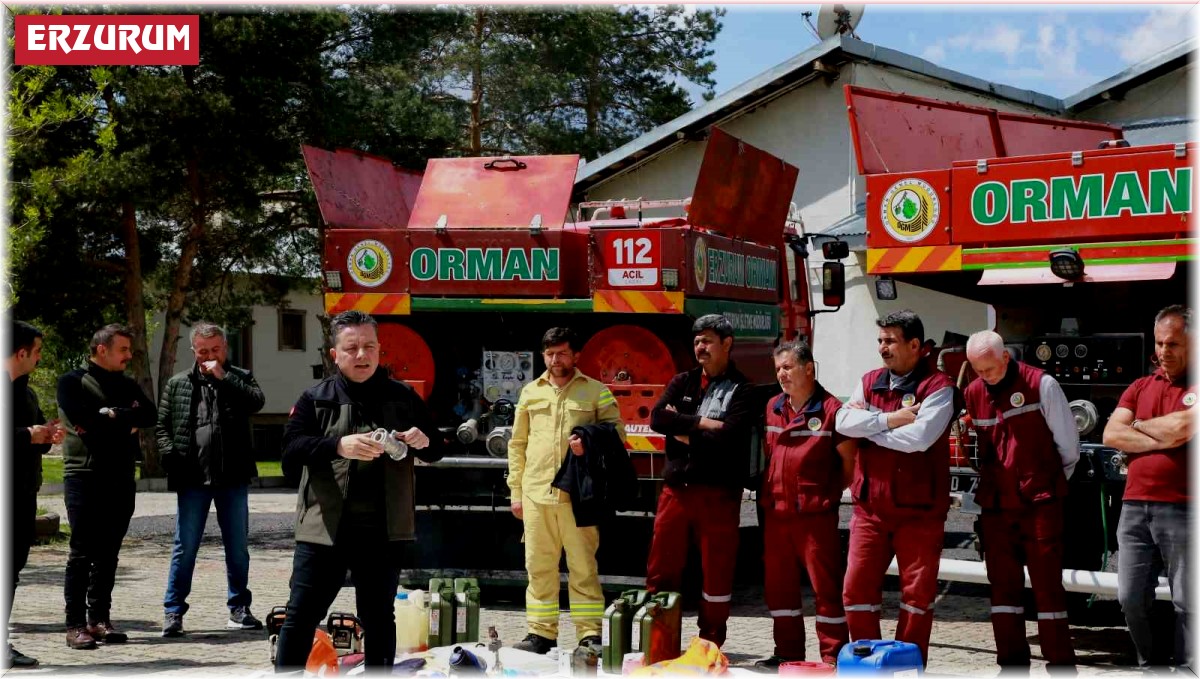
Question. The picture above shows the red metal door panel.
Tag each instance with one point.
(627, 259)
(902, 133)
(497, 263)
(908, 209)
(495, 192)
(370, 260)
(359, 190)
(742, 191)
(1128, 193)
(1029, 135)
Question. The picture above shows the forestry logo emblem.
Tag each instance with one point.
(910, 210)
(369, 263)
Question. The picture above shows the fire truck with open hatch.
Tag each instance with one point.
(1074, 238)
(466, 266)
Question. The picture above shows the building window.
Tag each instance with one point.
(239, 347)
(291, 330)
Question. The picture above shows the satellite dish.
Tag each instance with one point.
(838, 20)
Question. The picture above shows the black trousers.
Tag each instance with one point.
(99, 508)
(318, 573)
(22, 510)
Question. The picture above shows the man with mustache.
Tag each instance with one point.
(102, 409)
(706, 414)
(1028, 447)
(901, 413)
(1153, 424)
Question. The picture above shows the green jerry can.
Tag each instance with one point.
(466, 610)
(441, 612)
(616, 628)
(658, 628)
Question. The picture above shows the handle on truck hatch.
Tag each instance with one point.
(494, 164)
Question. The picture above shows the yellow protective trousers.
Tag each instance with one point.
(549, 529)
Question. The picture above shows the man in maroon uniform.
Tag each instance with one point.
(901, 488)
(706, 414)
(1028, 447)
(808, 466)
(1153, 425)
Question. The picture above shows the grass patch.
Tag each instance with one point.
(52, 470)
(269, 467)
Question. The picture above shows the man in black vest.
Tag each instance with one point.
(31, 438)
(103, 409)
(355, 506)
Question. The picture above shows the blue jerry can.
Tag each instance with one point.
(872, 656)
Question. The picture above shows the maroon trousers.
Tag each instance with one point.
(916, 542)
(1030, 537)
(804, 541)
(709, 516)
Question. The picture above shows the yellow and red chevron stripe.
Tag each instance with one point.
(908, 260)
(371, 302)
(646, 444)
(637, 302)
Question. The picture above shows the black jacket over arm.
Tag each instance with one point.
(600, 481)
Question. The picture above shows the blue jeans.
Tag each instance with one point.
(233, 516)
(1147, 530)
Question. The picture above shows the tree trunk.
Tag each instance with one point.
(136, 310)
(476, 105)
(183, 272)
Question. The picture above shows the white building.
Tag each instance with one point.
(797, 111)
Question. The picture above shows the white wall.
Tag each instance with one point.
(281, 374)
(1165, 96)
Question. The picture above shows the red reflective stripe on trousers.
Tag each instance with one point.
(712, 515)
(1036, 532)
(810, 542)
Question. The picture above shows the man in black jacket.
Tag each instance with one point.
(205, 442)
(355, 508)
(102, 409)
(31, 438)
(706, 414)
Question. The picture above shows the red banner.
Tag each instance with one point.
(107, 40)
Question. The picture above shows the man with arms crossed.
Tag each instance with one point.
(1153, 424)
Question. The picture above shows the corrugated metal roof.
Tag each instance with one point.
(853, 224)
(772, 82)
(1167, 60)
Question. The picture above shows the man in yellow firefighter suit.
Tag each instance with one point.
(549, 408)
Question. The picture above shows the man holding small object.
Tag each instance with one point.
(355, 507)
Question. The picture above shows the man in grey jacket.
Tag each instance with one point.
(205, 442)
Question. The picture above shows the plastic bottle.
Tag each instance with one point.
(408, 624)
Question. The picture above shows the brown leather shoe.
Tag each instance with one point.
(104, 632)
(79, 639)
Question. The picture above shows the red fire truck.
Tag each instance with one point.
(1074, 239)
(467, 265)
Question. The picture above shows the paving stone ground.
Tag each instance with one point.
(962, 637)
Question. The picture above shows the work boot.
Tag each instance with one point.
(104, 632)
(534, 643)
(79, 639)
(172, 625)
(15, 658)
(240, 617)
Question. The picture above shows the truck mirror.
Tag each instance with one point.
(833, 284)
(835, 249)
